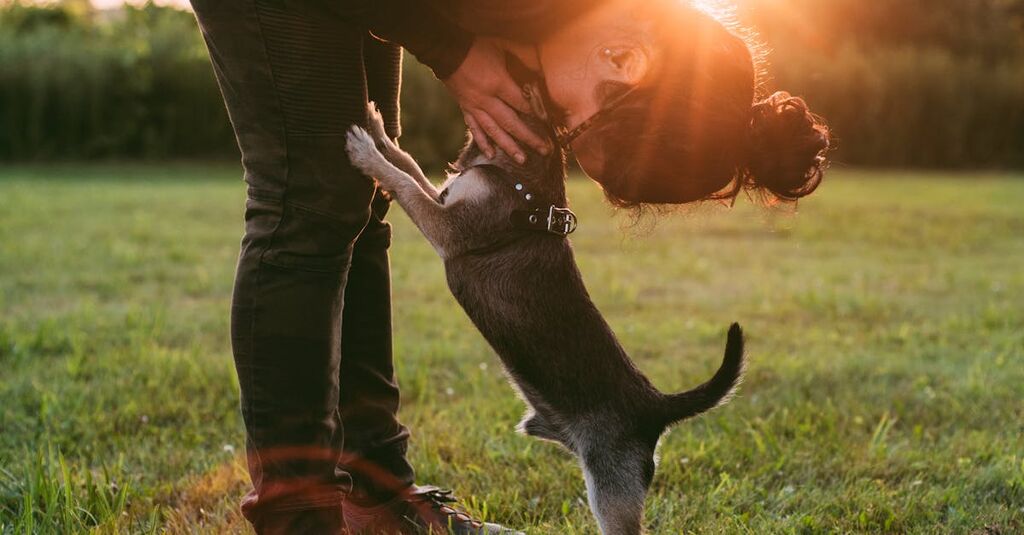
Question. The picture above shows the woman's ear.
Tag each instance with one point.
(628, 64)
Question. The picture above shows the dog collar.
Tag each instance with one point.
(561, 221)
(554, 219)
(541, 217)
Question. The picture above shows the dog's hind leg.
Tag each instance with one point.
(617, 481)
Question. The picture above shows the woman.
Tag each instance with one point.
(655, 99)
(669, 95)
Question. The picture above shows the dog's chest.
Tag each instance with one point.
(464, 187)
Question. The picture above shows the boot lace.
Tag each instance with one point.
(443, 501)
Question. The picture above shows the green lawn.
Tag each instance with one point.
(884, 392)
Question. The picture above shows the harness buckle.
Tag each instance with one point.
(561, 221)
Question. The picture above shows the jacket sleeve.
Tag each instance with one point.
(417, 26)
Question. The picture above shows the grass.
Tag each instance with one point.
(886, 338)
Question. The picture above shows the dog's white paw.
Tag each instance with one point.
(375, 122)
(362, 151)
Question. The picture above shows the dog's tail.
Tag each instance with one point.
(713, 393)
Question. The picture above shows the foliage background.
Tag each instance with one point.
(921, 83)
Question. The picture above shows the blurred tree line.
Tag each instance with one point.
(76, 83)
(923, 83)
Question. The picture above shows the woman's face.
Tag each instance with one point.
(611, 43)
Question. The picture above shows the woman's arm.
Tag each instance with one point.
(473, 69)
(417, 26)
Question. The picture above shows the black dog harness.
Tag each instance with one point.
(538, 216)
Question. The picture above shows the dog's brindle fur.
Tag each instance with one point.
(522, 289)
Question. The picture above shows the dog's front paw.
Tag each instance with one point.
(362, 151)
(375, 123)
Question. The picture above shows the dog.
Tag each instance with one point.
(501, 229)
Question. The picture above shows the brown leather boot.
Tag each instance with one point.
(416, 511)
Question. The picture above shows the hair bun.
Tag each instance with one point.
(787, 147)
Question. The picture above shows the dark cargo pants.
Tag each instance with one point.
(311, 316)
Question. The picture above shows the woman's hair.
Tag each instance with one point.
(694, 131)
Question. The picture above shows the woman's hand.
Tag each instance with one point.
(489, 99)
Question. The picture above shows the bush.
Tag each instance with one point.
(139, 85)
(912, 107)
(432, 126)
(923, 83)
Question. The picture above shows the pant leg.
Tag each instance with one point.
(292, 82)
(383, 64)
(375, 442)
